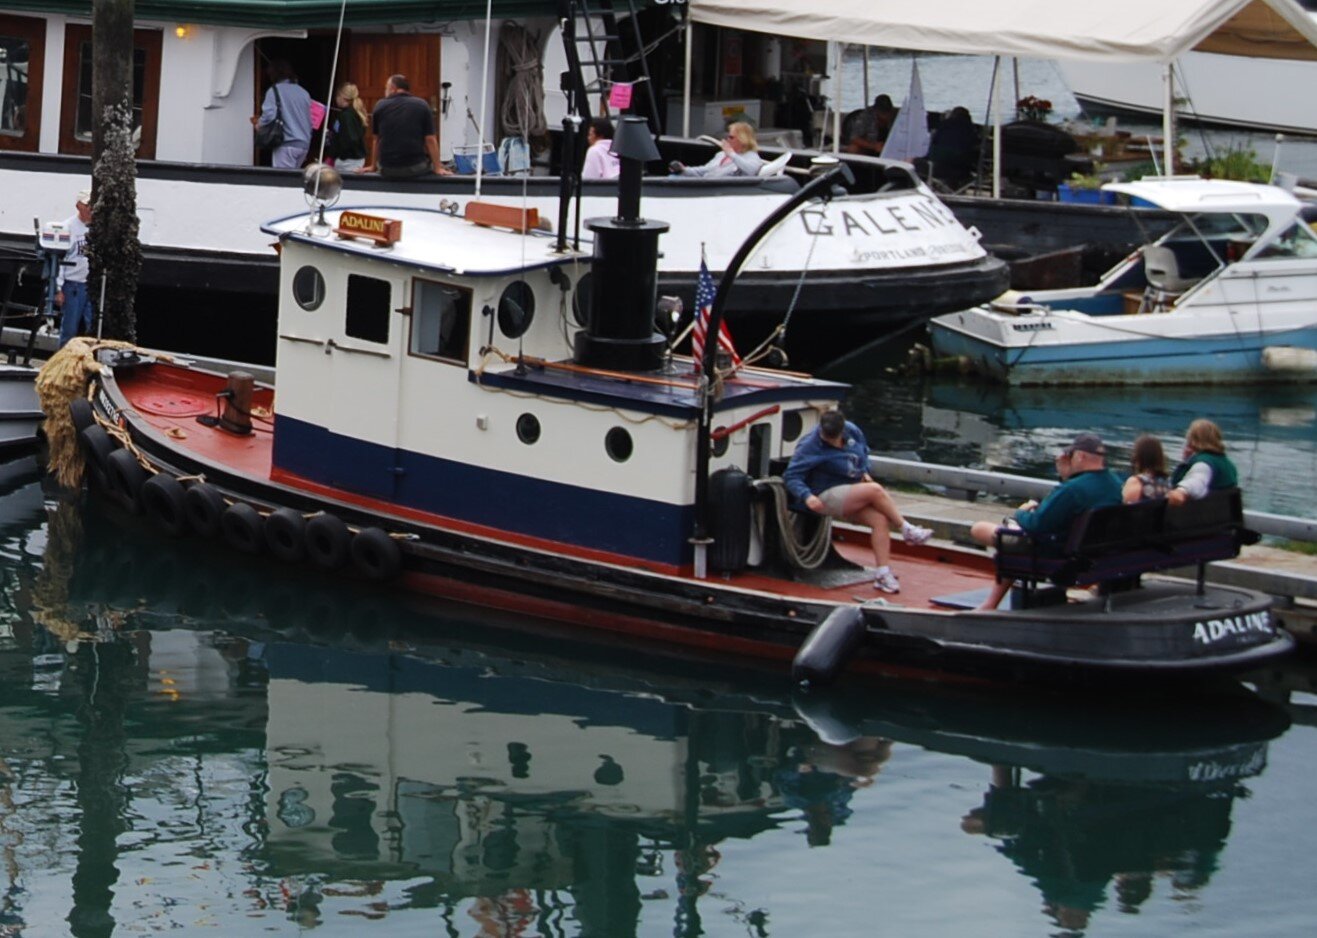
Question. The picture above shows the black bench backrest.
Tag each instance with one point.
(1117, 526)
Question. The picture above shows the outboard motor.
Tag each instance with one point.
(624, 283)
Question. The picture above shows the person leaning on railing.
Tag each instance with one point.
(1204, 467)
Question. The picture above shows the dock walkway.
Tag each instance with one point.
(1288, 575)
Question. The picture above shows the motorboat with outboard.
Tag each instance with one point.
(1228, 295)
(469, 407)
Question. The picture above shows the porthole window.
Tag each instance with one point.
(516, 309)
(308, 288)
(528, 429)
(721, 442)
(581, 300)
(792, 424)
(618, 444)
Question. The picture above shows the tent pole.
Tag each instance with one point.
(686, 82)
(836, 100)
(1168, 119)
(996, 127)
(866, 98)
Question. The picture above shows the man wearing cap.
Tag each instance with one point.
(1086, 483)
(71, 282)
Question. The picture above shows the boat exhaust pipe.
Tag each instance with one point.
(624, 281)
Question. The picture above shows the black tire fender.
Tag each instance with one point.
(328, 541)
(242, 526)
(376, 555)
(81, 414)
(165, 502)
(96, 449)
(126, 477)
(285, 535)
(205, 507)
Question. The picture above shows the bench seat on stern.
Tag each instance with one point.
(1112, 547)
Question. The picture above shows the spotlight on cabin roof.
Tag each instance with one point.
(330, 183)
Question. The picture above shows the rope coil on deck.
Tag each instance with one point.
(805, 554)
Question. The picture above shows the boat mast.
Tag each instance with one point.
(821, 187)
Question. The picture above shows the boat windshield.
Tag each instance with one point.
(1215, 225)
(1297, 240)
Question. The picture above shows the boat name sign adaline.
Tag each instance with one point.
(360, 225)
(1212, 630)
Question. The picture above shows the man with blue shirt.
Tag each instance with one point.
(829, 475)
(288, 101)
(1086, 483)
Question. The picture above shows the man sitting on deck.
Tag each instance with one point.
(1086, 483)
(829, 474)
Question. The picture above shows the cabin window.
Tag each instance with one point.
(528, 429)
(1297, 240)
(22, 61)
(618, 444)
(793, 422)
(77, 119)
(369, 305)
(516, 309)
(441, 321)
(308, 288)
(14, 56)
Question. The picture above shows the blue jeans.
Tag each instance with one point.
(75, 317)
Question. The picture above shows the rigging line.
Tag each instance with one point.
(484, 97)
(333, 77)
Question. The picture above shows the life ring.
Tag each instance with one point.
(285, 535)
(204, 506)
(376, 554)
(96, 449)
(81, 414)
(165, 502)
(242, 527)
(126, 477)
(328, 541)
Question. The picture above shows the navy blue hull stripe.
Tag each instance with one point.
(520, 504)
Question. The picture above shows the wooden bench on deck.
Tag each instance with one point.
(1113, 546)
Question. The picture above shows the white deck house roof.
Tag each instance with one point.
(1190, 195)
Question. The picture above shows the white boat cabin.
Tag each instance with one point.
(436, 373)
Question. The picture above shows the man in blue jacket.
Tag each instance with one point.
(829, 474)
(1086, 483)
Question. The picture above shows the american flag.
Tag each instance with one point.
(704, 294)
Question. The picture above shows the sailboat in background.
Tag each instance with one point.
(909, 138)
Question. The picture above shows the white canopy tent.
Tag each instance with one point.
(1112, 30)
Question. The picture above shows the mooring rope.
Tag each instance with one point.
(803, 554)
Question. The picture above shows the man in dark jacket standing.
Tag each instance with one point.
(405, 142)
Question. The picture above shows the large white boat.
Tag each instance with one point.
(201, 198)
(1228, 295)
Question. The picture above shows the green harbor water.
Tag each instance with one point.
(195, 743)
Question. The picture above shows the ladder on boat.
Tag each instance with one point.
(601, 46)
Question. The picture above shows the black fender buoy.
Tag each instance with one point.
(96, 449)
(242, 525)
(826, 650)
(80, 413)
(285, 534)
(165, 502)
(376, 554)
(328, 541)
(126, 477)
(204, 506)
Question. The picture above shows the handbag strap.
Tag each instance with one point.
(278, 108)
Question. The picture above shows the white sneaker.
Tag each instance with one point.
(887, 582)
(915, 535)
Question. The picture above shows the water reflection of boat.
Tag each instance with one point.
(380, 759)
(1270, 430)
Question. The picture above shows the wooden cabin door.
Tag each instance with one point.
(22, 64)
(373, 58)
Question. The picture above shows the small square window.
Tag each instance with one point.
(441, 320)
(369, 306)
